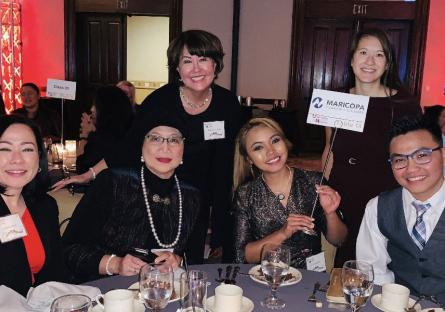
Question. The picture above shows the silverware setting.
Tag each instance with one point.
(314, 291)
(230, 275)
(228, 272)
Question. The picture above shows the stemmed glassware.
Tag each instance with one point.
(71, 303)
(275, 259)
(156, 285)
(358, 280)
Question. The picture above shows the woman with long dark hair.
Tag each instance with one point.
(362, 156)
(30, 251)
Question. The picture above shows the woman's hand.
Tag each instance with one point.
(296, 222)
(329, 198)
(75, 179)
(170, 258)
(128, 265)
(86, 125)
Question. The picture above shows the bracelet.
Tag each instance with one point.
(108, 263)
(83, 138)
(93, 172)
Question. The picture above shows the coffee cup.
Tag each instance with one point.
(228, 298)
(117, 300)
(394, 297)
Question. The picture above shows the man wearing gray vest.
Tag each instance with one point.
(403, 230)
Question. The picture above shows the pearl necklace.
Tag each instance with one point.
(193, 105)
(150, 218)
(280, 195)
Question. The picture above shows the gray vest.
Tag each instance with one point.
(423, 271)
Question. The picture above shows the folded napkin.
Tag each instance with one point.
(10, 300)
(41, 297)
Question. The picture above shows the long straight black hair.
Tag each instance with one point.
(40, 184)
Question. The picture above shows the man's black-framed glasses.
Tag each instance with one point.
(421, 156)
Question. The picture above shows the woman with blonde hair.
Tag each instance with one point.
(273, 202)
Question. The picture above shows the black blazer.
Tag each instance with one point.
(14, 268)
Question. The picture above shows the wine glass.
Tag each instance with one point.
(358, 280)
(275, 260)
(156, 285)
(71, 303)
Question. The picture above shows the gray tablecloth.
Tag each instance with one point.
(294, 295)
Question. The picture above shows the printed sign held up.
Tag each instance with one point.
(61, 89)
(338, 110)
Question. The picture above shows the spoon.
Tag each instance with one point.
(219, 279)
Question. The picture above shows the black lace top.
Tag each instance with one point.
(259, 213)
(112, 218)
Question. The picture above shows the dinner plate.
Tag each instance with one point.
(246, 304)
(175, 283)
(254, 274)
(376, 300)
(138, 306)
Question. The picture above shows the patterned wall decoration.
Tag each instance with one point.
(11, 54)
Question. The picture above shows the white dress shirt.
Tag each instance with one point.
(371, 243)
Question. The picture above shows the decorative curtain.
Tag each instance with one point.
(11, 54)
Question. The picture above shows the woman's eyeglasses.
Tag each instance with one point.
(421, 156)
(158, 140)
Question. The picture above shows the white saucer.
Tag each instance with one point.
(247, 304)
(255, 275)
(376, 299)
(175, 283)
(138, 306)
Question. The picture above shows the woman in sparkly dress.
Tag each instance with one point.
(273, 202)
(125, 210)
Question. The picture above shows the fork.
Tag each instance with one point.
(312, 296)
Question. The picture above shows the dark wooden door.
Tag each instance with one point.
(322, 33)
(101, 59)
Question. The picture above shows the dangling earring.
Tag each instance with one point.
(182, 162)
(252, 172)
(39, 170)
(142, 159)
(180, 79)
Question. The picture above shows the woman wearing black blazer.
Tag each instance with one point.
(34, 257)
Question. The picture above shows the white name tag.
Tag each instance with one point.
(11, 228)
(214, 130)
(316, 262)
(156, 251)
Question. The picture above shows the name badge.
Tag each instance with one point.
(11, 228)
(316, 263)
(156, 251)
(214, 130)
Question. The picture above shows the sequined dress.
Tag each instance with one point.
(259, 213)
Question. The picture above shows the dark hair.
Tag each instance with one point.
(33, 86)
(114, 112)
(408, 124)
(432, 113)
(198, 42)
(39, 185)
(390, 77)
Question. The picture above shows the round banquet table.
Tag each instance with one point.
(295, 295)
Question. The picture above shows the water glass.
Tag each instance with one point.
(156, 285)
(193, 291)
(71, 303)
(358, 280)
(275, 259)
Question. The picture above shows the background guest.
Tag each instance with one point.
(48, 120)
(211, 115)
(143, 208)
(113, 115)
(129, 90)
(32, 257)
(274, 205)
(402, 230)
(361, 156)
